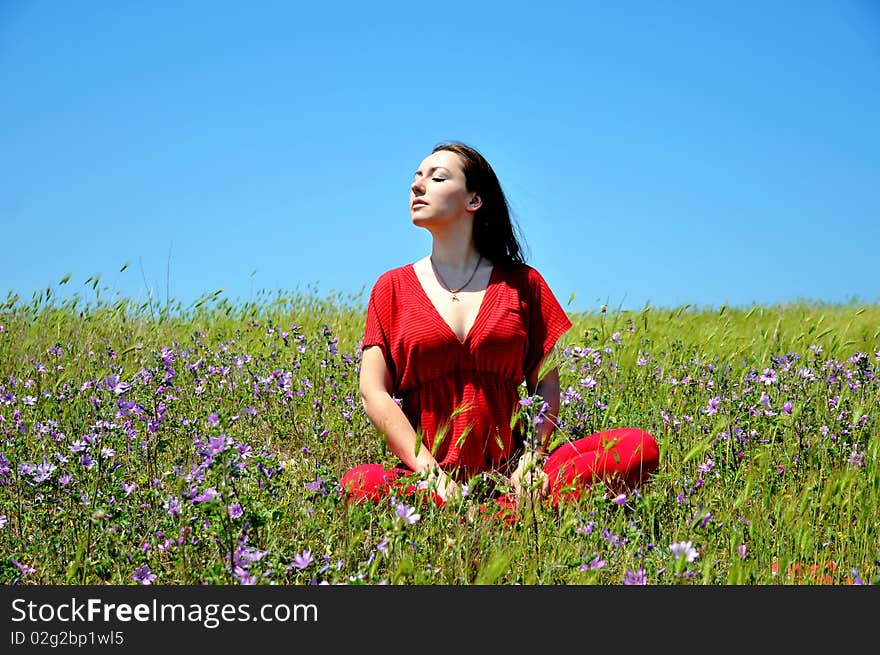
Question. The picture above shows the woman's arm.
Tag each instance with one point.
(529, 469)
(548, 388)
(390, 421)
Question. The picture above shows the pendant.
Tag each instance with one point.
(454, 298)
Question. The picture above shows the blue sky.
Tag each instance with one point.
(671, 153)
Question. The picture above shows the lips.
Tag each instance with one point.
(418, 203)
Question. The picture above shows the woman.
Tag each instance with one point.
(454, 335)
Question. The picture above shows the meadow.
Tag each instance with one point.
(148, 444)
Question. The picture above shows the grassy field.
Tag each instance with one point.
(145, 444)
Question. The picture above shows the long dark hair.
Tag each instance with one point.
(496, 235)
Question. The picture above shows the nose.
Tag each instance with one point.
(417, 188)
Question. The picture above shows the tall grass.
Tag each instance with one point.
(146, 443)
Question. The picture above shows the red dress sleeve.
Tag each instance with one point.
(547, 321)
(377, 330)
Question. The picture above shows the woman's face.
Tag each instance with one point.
(439, 191)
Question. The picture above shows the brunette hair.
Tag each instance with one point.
(496, 235)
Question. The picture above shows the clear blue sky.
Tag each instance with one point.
(653, 152)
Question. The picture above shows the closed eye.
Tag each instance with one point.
(438, 179)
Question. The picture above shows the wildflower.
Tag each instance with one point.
(114, 384)
(589, 382)
(787, 407)
(593, 565)
(213, 419)
(712, 407)
(707, 466)
(244, 555)
(620, 500)
(172, 506)
(636, 577)
(768, 376)
(302, 560)
(704, 521)
(244, 576)
(128, 488)
(24, 568)
(43, 471)
(235, 511)
(2, 521)
(586, 529)
(857, 458)
(408, 514)
(207, 496)
(143, 575)
(684, 549)
(616, 337)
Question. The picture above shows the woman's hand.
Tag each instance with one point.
(529, 479)
(444, 486)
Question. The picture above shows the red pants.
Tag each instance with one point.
(623, 458)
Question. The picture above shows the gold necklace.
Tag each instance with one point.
(454, 292)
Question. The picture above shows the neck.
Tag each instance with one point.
(456, 253)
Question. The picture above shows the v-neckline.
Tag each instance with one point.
(439, 316)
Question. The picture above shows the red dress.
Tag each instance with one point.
(461, 395)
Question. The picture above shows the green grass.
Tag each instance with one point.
(243, 405)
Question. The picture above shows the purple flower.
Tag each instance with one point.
(172, 506)
(216, 444)
(742, 550)
(128, 488)
(684, 549)
(113, 383)
(302, 560)
(589, 382)
(616, 337)
(408, 514)
(594, 565)
(768, 376)
(620, 500)
(704, 521)
(317, 486)
(857, 579)
(586, 529)
(787, 407)
(24, 568)
(43, 471)
(207, 496)
(142, 574)
(712, 407)
(2, 521)
(244, 555)
(235, 511)
(636, 577)
(213, 419)
(856, 458)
